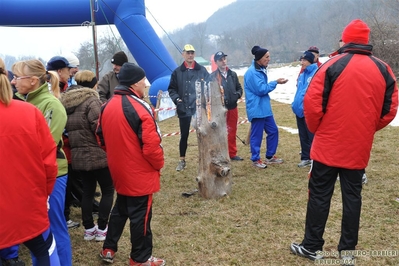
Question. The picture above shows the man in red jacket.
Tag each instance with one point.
(350, 97)
(135, 158)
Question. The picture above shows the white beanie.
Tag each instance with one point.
(72, 59)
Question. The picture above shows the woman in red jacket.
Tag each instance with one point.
(28, 173)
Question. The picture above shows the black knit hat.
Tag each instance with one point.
(307, 55)
(130, 74)
(258, 52)
(119, 58)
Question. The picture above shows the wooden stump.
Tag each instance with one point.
(214, 175)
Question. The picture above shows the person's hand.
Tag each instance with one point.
(282, 81)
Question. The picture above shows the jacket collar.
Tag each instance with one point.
(311, 67)
(124, 90)
(31, 95)
(258, 67)
(183, 66)
(76, 96)
(355, 48)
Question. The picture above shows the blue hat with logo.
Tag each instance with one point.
(58, 62)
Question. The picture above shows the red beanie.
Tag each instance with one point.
(356, 31)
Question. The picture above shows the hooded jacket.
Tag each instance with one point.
(132, 139)
(83, 107)
(350, 97)
(257, 89)
(28, 172)
(56, 118)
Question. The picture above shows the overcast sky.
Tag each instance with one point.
(47, 42)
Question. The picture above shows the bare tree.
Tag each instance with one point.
(8, 60)
(107, 46)
(198, 37)
(384, 34)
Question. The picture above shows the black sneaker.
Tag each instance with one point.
(299, 250)
(236, 158)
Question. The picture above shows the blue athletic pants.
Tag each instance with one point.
(258, 126)
(57, 221)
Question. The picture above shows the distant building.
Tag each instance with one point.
(202, 61)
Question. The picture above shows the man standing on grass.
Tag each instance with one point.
(135, 156)
(350, 97)
(308, 68)
(232, 91)
(182, 92)
(259, 110)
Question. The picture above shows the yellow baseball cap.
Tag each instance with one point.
(188, 47)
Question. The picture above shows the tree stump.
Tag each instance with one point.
(214, 175)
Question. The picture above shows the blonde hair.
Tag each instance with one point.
(86, 78)
(84, 75)
(54, 83)
(35, 68)
(5, 85)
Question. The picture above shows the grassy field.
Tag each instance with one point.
(263, 214)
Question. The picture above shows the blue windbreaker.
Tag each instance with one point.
(257, 90)
(302, 86)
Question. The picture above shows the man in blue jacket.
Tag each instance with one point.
(259, 110)
(305, 136)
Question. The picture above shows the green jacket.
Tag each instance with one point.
(56, 117)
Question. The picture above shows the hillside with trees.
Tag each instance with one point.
(287, 28)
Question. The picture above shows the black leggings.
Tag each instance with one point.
(90, 179)
(184, 123)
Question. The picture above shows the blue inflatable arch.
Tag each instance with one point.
(127, 15)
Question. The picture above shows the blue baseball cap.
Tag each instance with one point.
(58, 62)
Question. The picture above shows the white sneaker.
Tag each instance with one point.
(90, 234)
(71, 224)
(181, 165)
(305, 163)
(101, 234)
(259, 164)
(273, 160)
(364, 179)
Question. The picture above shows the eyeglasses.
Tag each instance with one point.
(23, 77)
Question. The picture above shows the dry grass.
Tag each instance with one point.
(265, 212)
